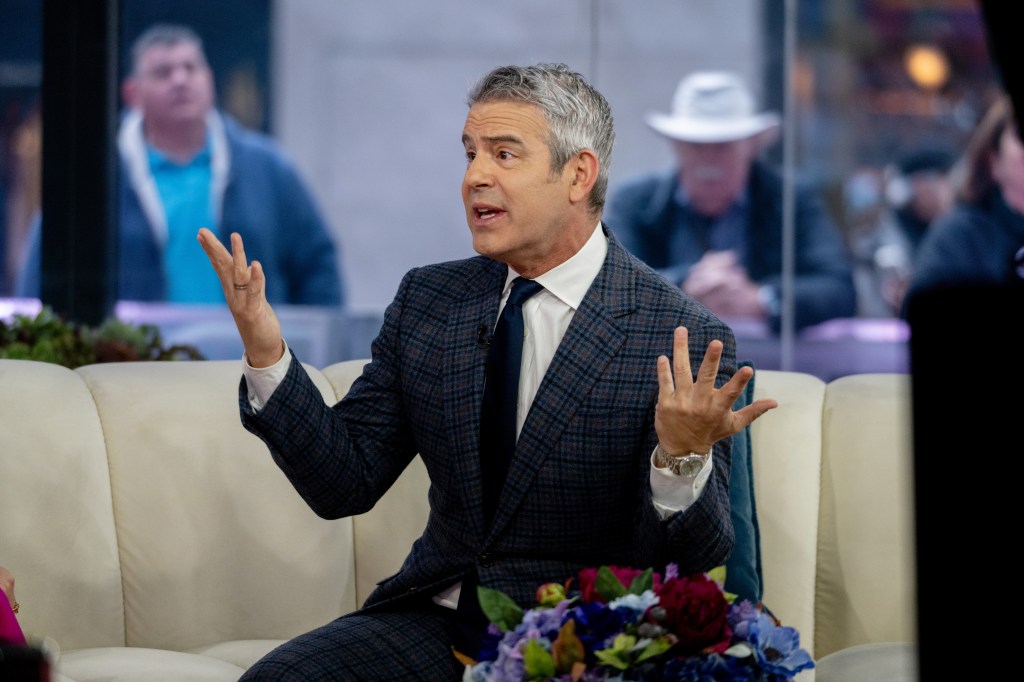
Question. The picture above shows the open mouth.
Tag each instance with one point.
(485, 214)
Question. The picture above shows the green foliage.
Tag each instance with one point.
(537, 662)
(48, 338)
(499, 608)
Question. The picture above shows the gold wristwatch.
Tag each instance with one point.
(687, 466)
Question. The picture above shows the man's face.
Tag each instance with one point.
(931, 194)
(172, 85)
(518, 211)
(713, 174)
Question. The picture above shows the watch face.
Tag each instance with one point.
(690, 465)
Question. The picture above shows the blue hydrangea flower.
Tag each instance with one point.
(709, 668)
(776, 647)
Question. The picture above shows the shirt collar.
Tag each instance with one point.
(157, 159)
(569, 281)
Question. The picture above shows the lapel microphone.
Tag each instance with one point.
(483, 337)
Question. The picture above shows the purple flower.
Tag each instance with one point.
(776, 647)
(741, 618)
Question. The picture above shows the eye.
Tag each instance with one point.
(470, 155)
(161, 72)
(505, 155)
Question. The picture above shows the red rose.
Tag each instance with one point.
(588, 581)
(587, 578)
(694, 611)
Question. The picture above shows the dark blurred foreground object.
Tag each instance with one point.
(968, 404)
(1003, 33)
(23, 664)
(965, 344)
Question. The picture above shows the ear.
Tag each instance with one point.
(583, 170)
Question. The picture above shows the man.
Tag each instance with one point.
(597, 393)
(919, 190)
(713, 225)
(185, 165)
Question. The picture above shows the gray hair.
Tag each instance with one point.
(164, 35)
(578, 116)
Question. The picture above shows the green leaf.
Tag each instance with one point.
(717, 574)
(537, 661)
(642, 582)
(656, 647)
(499, 608)
(609, 586)
(617, 656)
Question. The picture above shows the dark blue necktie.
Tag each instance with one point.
(501, 392)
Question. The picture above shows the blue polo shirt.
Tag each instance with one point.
(185, 194)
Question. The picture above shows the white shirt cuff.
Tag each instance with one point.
(261, 382)
(672, 493)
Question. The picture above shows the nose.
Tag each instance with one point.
(180, 74)
(478, 173)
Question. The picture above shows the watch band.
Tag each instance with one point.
(687, 466)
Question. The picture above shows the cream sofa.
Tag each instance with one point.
(152, 537)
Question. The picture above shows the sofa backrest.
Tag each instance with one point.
(785, 445)
(867, 581)
(834, 492)
(152, 455)
(57, 532)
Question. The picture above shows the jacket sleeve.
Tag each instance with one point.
(312, 264)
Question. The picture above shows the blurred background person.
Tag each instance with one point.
(186, 165)
(890, 213)
(10, 630)
(713, 223)
(981, 240)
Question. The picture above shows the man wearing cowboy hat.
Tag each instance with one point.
(713, 224)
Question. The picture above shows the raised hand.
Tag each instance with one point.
(692, 415)
(245, 292)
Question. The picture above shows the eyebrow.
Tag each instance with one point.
(513, 139)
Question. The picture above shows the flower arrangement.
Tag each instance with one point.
(658, 629)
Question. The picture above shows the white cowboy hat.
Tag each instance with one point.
(712, 106)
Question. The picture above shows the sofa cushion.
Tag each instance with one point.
(743, 568)
(242, 653)
(134, 664)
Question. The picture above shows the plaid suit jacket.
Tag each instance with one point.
(577, 492)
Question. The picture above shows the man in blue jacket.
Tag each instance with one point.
(713, 224)
(185, 165)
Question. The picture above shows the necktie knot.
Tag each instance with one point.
(522, 289)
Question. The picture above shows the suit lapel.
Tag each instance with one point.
(592, 340)
(464, 380)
